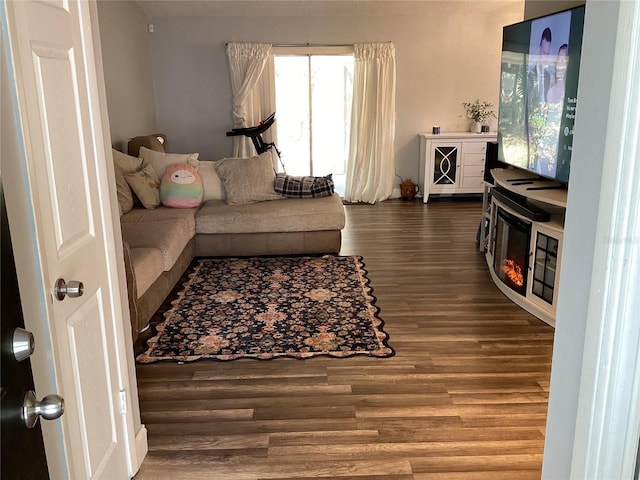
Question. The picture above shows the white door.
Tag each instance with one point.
(61, 145)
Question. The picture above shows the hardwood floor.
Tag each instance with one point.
(465, 396)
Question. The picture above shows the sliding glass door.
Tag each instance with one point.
(313, 105)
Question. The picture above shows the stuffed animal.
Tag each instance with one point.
(181, 187)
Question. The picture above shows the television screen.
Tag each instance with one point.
(538, 92)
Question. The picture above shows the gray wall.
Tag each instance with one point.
(126, 56)
(446, 52)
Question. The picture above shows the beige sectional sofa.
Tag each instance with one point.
(160, 243)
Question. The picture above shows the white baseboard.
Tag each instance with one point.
(142, 447)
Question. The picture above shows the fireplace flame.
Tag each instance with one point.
(513, 271)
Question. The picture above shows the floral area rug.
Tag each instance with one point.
(266, 308)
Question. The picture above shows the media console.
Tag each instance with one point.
(524, 239)
(531, 186)
(521, 204)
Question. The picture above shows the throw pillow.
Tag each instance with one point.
(211, 182)
(303, 187)
(146, 186)
(181, 187)
(248, 180)
(124, 164)
(161, 161)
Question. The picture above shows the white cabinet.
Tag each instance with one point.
(452, 163)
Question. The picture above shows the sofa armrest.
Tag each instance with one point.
(132, 291)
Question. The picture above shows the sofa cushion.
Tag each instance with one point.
(124, 164)
(286, 215)
(168, 236)
(248, 180)
(161, 161)
(147, 265)
(142, 215)
(145, 185)
(211, 182)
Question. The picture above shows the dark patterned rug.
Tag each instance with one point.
(266, 308)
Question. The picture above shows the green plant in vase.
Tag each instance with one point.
(479, 112)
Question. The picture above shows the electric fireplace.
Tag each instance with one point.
(511, 240)
(524, 240)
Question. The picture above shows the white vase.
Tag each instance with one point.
(476, 127)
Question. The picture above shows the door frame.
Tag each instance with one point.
(593, 421)
(18, 194)
(139, 447)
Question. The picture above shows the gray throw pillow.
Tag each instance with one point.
(146, 186)
(247, 180)
(124, 164)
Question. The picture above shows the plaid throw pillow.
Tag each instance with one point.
(303, 187)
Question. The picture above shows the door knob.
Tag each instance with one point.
(23, 344)
(73, 288)
(49, 408)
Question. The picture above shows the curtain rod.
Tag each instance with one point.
(313, 45)
(305, 44)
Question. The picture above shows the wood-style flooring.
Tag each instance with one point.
(465, 396)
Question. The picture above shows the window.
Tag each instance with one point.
(313, 95)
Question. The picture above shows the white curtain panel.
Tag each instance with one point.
(370, 168)
(246, 63)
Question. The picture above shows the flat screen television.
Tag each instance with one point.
(538, 93)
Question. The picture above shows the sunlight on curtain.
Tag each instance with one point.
(246, 63)
(371, 169)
